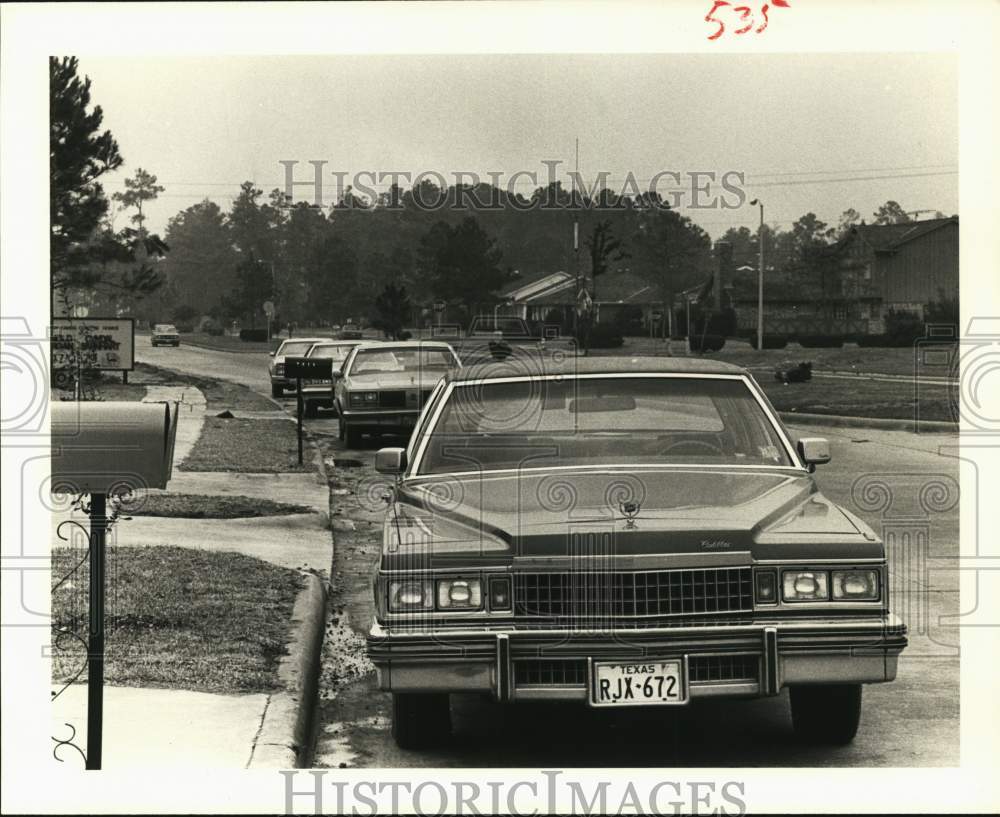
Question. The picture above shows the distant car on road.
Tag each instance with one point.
(165, 334)
(295, 347)
(350, 334)
(317, 394)
(383, 386)
(622, 532)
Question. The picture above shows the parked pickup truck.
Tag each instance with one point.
(504, 336)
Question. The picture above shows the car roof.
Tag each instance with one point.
(405, 344)
(549, 365)
(334, 343)
(304, 340)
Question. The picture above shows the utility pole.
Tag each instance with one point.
(760, 277)
(576, 247)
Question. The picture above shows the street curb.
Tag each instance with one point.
(914, 426)
(286, 737)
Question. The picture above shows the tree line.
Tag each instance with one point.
(385, 259)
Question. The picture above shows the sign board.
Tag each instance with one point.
(105, 344)
(309, 368)
(269, 308)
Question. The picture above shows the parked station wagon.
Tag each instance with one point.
(317, 394)
(293, 347)
(621, 532)
(382, 387)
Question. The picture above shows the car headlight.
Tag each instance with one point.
(363, 398)
(855, 585)
(410, 595)
(279, 368)
(805, 585)
(459, 594)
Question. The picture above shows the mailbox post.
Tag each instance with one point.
(100, 449)
(311, 368)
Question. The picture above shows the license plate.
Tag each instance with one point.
(638, 684)
(316, 382)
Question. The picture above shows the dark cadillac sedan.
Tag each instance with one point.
(621, 532)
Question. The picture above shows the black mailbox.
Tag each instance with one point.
(309, 368)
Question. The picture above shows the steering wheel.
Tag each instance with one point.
(690, 446)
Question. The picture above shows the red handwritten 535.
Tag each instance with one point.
(742, 16)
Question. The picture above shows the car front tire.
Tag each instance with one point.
(277, 391)
(310, 410)
(352, 436)
(826, 713)
(420, 720)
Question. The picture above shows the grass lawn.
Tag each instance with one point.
(849, 358)
(180, 618)
(863, 398)
(228, 343)
(247, 446)
(108, 386)
(195, 506)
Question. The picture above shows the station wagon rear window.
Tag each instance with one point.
(601, 420)
(410, 361)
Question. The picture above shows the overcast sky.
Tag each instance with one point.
(809, 131)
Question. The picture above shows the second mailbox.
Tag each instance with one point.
(309, 368)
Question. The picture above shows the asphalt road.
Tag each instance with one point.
(911, 722)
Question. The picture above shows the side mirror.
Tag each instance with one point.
(814, 451)
(390, 460)
(336, 374)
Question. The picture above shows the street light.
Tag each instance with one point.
(760, 276)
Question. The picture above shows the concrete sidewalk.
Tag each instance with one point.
(161, 728)
(172, 728)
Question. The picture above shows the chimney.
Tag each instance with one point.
(723, 270)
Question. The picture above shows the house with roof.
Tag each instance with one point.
(850, 286)
(536, 298)
(908, 264)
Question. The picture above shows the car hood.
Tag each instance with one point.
(394, 380)
(534, 517)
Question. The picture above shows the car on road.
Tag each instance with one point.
(293, 347)
(622, 532)
(317, 394)
(165, 334)
(383, 386)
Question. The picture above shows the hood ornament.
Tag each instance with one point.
(630, 510)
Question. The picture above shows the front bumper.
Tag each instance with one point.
(773, 654)
(382, 418)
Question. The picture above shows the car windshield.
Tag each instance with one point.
(338, 352)
(295, 348)
(601, 421)
(409, 360)
(164, 327)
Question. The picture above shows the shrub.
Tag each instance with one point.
(903, 328)
(212, 327)
(821, 341)
(253, 335)
(605, 336)
(770, 341)
(184, 326)
(629, 320)
(710, 343)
